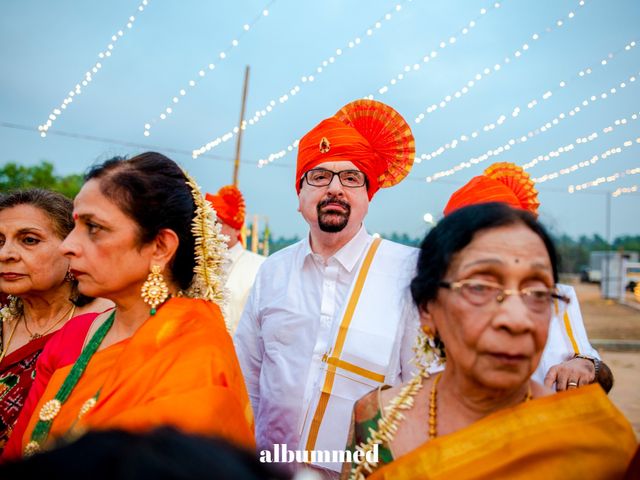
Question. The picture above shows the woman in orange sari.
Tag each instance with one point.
(143, 238)
(483, 417)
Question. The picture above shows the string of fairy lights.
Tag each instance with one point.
(449, 40)
(431, 55)
(624, 190)
(57, 112)
(514, 112)
(490, 69)
(209, 67)
(587, 163)
(604, 180)
(495, 152)
(582, 140)
(306, 79)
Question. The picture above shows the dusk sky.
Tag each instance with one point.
(550, 85)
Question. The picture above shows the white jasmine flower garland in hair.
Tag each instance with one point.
(210, 252)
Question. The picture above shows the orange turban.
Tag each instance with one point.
(229, 205)
(501, 182)
(370, 134)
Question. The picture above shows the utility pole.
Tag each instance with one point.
(236, 165)
(605, 274)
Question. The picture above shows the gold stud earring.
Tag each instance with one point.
(154, 291)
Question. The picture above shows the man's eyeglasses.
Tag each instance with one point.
(480, 293)
(321, 177)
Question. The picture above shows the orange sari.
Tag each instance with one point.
(571, 435)
(178, 369)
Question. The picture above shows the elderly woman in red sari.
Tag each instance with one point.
(485, 286)
(43, 295)
(144, 238)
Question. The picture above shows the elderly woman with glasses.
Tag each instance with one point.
(485, 287)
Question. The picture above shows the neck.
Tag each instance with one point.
(327, 244)
(42, 308)
(468, 401)
(132, 312)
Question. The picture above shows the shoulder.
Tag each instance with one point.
(66, 344)
(367, 407)
(398, 251)
(79, 324)
(189, 322)
(248, 259)
(282, 259)
(195, 309)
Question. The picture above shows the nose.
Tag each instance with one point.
(8, 251)
(335, 187)
(69, 246)
(513, 315)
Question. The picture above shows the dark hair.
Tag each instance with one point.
(59, 211)
(151, 189)
(456, 231)
(161, 454)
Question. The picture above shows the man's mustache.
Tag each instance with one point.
(327, 201)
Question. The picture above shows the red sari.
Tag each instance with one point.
(17, 372)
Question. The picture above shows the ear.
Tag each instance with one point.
(164, 247)
(426, 319)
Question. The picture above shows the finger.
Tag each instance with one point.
(563, 379)
(584, 380)
(551, 376)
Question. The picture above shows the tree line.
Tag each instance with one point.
(574, 253)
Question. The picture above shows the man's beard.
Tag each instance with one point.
(334, 221)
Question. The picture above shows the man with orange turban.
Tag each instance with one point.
(568, 360)
(242, 265)
(331, 318)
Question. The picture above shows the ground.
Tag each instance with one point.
(615, 330)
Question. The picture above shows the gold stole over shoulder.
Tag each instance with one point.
(334, 361)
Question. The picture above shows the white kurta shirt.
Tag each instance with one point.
(286, 327)
(567, 336)
(242, 268)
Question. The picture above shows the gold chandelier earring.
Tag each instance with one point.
(154, 291)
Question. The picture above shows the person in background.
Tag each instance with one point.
(242, 265)
(568, 360)
(486, 290)
(144, 238)
(330, 317)
(42, 294)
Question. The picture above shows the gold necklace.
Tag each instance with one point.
(433, 432)
(34, 336)
(6, 347)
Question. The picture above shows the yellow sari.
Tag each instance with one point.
(578, 434)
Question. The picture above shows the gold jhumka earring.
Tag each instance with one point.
(154, 291)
